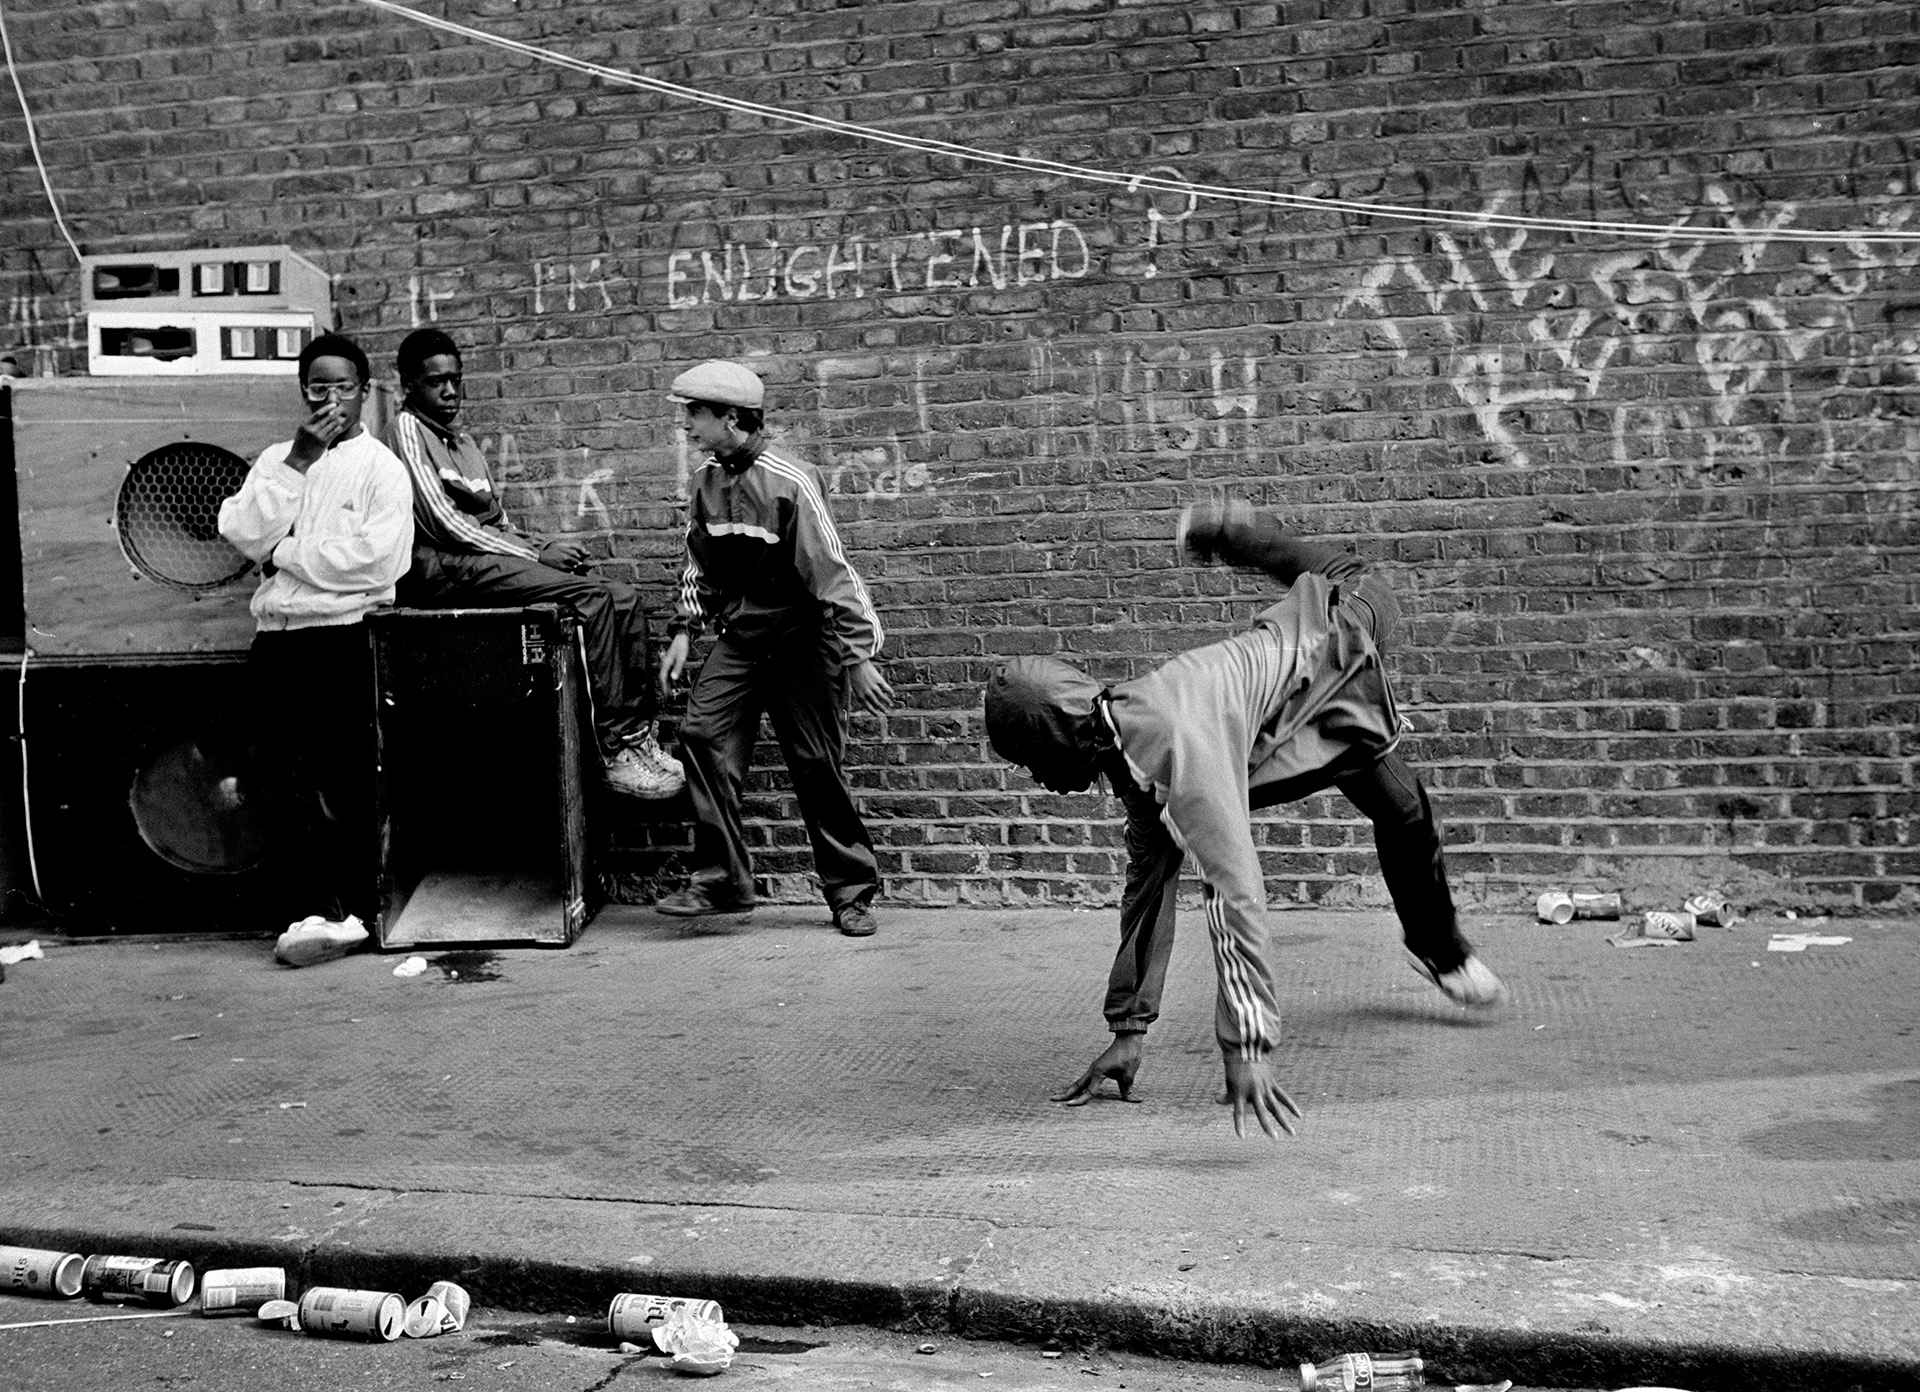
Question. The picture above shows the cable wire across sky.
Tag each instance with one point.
(1034, 164)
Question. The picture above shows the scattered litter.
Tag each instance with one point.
(36, 1271)
(1711, 910)
(315, 939)
(289, 1106)
(413, 966)
(333, 1312)
(1558, 906)
(1383, 1372)
(1657, 927)
(631, 1315)
(150, 1280)
(626, 1347)
(442, 1310)
(284, 1313)
(1504, 1385)
(424, 1318)
(242, 1290)
(700, 1346)
(1050, 1353)
(1800, 942)
(96, 1319)
(928, 1348)
(180, 1038)
(25, 952)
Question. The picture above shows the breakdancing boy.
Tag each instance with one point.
(1298, 703)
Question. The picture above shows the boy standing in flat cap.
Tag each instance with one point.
(797, 638)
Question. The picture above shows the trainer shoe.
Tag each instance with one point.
(697, 900)
(1196, 539)
(1471, 984)
(631, 772)
(648, 746)
(856, 921)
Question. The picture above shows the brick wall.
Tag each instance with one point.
(1650, 501)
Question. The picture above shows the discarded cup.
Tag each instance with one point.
(1364, 1372)
(150, 1280)
(316, 939)
(1711, 910)
(632, 1316)
(333, 1312)
(1555, 906)
(242, 1290)
(39, 1272)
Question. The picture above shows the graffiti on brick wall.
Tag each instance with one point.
(1721, 353)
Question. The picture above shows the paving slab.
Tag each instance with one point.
(1695, 1166)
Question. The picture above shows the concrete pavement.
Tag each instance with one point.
(1696, 1166)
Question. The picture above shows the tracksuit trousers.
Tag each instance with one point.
(798, 681)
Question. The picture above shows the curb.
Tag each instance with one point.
(1199, 1331)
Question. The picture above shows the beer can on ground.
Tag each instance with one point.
(455, 1301)
(1555, 906)
(1364, 1372)
(333, 1312)
(1710, 910)
(632, 1316)
(39, 1272)
(241, 1290)
(1596, 905)
(153, 1280)
(1658, 923)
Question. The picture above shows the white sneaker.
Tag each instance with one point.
(632, 773)
(1471, 984)
(648, 747)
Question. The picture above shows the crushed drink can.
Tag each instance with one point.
(1659, 923)
(632, 1316)
(337, 1313)
(1596, 905)
(1711, 910)
(1364, 1372)
(455, 1301)
(241, 1290)
(39, 1272)
(151, 1280)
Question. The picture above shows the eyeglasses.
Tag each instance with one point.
(320, 393)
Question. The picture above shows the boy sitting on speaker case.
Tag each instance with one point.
(328, 515)
(468, 553)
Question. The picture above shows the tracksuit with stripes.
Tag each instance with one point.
(765, 567)
(1298, 703)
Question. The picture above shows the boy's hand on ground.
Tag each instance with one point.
(1119, 1061)
(672, 663)
(1251, 1085)
(869, 689)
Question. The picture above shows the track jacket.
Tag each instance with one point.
(332, 541)
(1241, 722)
(455, 507)
(763, 558)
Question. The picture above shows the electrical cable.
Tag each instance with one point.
(1135, 182)
(33, 138)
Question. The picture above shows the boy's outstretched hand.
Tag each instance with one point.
(1251, 1085)
(1119, 1061)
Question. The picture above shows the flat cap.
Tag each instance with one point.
(722, 383)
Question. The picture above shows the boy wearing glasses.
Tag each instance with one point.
(328, 515)
(798, 638)
(468, 553)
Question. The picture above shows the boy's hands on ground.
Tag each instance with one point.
(672, 663)
(868, 688)
(1250, 1084)
(1119, 1061)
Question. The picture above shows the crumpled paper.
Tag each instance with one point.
(1800, 942)
(701, 1347)
(10, 955)
(316, 939)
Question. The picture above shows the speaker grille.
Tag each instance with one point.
(168, 515)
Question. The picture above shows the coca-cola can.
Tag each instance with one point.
(39, 1272)
(337, 1313)
(152, 1280)
(241, 1290)
(632, 1316)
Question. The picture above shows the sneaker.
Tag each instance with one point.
(1471, 984)
(856, 921)
(631, 772)
(697, 900)
(1197, 538)
(648, 747)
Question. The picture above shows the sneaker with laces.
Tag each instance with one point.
(697, 900)
(631, 772)
(648, 747)
(856, 921)
(1471, 984)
